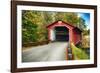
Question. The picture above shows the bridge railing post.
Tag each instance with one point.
(69, 52)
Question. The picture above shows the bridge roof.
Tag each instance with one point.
(62, 23)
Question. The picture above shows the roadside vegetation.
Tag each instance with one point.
(78, 53)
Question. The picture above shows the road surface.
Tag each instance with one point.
(55, 51)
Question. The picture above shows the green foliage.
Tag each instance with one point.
(86, 32)
(28, 31)
(78, 53)
(85, 39)
(81, 23)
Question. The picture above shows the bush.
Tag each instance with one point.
(78, 53)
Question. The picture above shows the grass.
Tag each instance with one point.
(78, 53)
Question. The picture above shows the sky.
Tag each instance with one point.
(86, 17)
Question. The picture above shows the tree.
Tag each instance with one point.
(81, 23)
(28, 27)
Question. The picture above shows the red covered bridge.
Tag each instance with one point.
(62, 31)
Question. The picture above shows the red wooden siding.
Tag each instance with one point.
(74, 33)
(77, 36)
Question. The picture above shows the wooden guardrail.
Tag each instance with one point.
(78, 53)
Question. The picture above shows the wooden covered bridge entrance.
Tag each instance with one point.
(61, 34)
(62, 31)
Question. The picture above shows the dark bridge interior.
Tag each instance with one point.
(62, 34)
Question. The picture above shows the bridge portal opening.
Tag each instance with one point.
(61, 33)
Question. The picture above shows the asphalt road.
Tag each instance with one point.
(55, 51)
